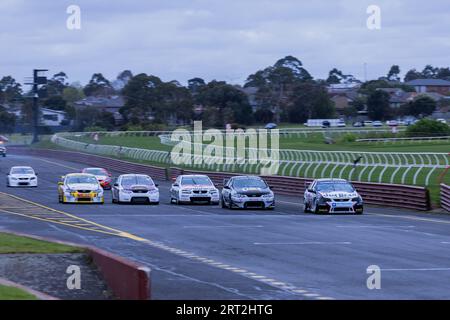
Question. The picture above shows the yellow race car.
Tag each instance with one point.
(80, 188)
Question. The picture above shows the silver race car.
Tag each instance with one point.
(247, 192)
(193, 189)
(332, 196)
(135, 188)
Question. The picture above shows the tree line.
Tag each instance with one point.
(283, 92)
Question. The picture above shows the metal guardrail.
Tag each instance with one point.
(445, 197)
(404, 139)
(393, 195)
(94, 160)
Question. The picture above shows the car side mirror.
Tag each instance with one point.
(116, 184)
(312, 190)
(226, 187)
(60, 183)
(175, 185)
(156, 185)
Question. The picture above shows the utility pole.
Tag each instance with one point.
(38, 80)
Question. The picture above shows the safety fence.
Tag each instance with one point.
(94, 161)
(445, 197)
(378, 167)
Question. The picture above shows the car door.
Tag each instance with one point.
(227, 191)
(174, 190)
(115, 189)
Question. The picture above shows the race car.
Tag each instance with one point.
(135, 188)
(80, 188)
(332, 196)
(194, 189)
(21, 177)
(102, 175)
(247, 192)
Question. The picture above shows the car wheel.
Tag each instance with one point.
(316, 208)
(222, 203)
(305, 207)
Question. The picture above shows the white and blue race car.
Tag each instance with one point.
(332, 196)
(247, 192)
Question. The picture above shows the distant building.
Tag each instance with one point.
(430, 85)
(52, 118)
(110, 104)
(398, 96)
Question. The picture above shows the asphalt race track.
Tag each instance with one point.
(206, 252)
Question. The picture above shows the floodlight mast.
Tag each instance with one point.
(38, 80)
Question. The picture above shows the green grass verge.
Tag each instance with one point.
(11, 244)
(11, 293)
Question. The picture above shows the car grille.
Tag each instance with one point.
(140, 191)
(84, 191)
(23, 179)
(139, 199)
(84, 199)
(341, 200)
(341, 209)
(200, 191)
(254, 204)
(254, 195)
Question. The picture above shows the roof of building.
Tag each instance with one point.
(112, 101)
(429, 82)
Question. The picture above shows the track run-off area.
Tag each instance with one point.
(206, 252)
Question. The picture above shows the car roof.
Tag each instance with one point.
(21, 167)
(134, 175)
(331, 180)
(193, 175)
(95, 168)
(79, 174)
(246, 177)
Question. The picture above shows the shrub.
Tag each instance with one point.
(348, 137)
(428, 128)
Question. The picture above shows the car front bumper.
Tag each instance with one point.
(75, 197)
(260, 202)
(340, 207)
(139, 197)
(23, 183)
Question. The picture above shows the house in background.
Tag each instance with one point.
(52, 118)
(430, 85)
(110, 104)
(398, 96)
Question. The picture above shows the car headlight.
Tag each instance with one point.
(33, 178)
(214, 192)
(154, 191)
(185, 191)
(357, 199)
(12, 178)
(239, 196)
(127, 191)
(268, 195)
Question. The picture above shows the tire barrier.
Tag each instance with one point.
(445, 197)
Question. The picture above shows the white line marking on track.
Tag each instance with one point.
(236, 226)
(417, 269)
(300, 243)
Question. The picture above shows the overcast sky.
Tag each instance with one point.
(220, 39)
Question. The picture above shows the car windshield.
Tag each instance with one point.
(96, 172)
(129, 181)
(81, 179)
(334, 186)
(22, 171)
(196, 180)
(249, 183)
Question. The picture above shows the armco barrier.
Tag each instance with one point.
(94, 160)
(445, 197)
(391, 195)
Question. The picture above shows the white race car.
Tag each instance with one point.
(22, 177)
(80, 188)
(135, 188)
(332, 196)
(194, 189)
